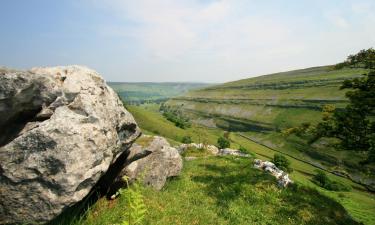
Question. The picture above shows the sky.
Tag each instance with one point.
(183, 40)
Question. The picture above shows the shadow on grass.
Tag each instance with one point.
(236, 180)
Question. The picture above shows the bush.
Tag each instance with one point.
(282, 162)
(244, 150)
(177, 118)
(321, 179)
(186, 140)
(222, 142)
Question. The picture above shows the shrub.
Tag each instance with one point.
(282, 162)
(186, 140)
(244, 150)
(321, 179)
(177, 118)
(222, 142)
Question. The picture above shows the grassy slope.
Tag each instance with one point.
(229, 191)
(359, 203)
(276, 101)
(152, 91)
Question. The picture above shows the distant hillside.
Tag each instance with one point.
(267, 102)
(152, 92)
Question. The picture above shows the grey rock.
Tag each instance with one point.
(234, 152)
(154, 169)
(211, 148)
(61, 129)
(283, 179)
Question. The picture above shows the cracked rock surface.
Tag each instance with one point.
(60, 130)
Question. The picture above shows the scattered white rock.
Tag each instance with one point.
(235, 152)
(212, 148)
(282, 177)
(190, 158)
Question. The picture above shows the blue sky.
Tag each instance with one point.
(195, 40)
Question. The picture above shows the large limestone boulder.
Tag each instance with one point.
(61, 129)
(163, 161)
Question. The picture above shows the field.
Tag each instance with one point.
(136, 93)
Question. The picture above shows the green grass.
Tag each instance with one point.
(281, 100)
(196, 152)
(359, 203)
(152, 122)
(226, 190)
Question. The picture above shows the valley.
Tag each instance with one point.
(262, 108)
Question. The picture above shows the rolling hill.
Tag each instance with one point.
(133, 93)
(269, 102)
(260, 108)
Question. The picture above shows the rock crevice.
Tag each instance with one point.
(61, 130)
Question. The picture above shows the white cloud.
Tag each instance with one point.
(226, 40)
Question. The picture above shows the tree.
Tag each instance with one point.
(222, 143)
(321, 179)
(354, 125)
(282, 162)
(186, 140)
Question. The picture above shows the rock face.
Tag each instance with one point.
(154, 169)
(282, 177)
(61, 129)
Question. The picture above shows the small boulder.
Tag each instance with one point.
(164, 161)
(282, 177)
(234, 152)
(213, 149)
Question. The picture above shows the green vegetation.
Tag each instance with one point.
(186, 140)
(136, 209)
(196, 152)
(354, 125)
(322, 180)
(148, 92)
(282, 163)
(151, 121)
(226, 190)
(281, 110)
(223, 142)
(359, 203)
(175, 116)
(271, 102)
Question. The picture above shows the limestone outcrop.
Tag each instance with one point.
(282, 177)
(163, 161)
(61, 129)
